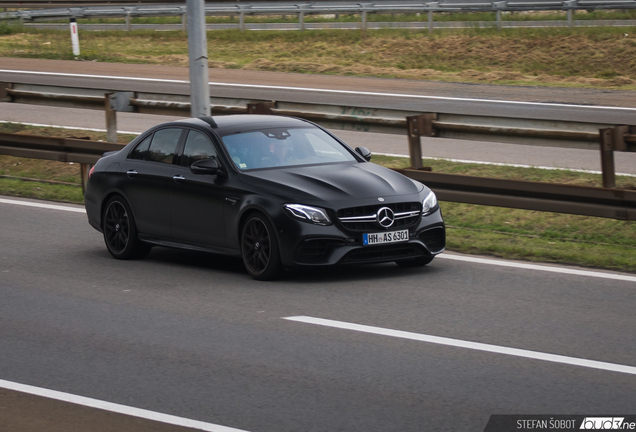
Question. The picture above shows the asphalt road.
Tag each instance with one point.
(193, 336)
(406, 94)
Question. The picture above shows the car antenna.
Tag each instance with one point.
(210, 121)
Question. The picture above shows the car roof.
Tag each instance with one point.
(242, 122)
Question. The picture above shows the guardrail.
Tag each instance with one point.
(535, 196)
(579, 200)
(83, 152)
(301, 9)
(67, 3)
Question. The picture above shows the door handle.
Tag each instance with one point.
(178, 178)
(131, 173)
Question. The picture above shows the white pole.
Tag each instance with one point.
(198, 59)
(75, 37)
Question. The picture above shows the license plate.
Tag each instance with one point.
(385, 237)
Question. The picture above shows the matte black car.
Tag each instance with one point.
(279, 192)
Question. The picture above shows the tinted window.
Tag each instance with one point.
(141, 151)
(197, 147)
(164, 145)
(282, 147)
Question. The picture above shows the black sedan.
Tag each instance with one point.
(279, 192)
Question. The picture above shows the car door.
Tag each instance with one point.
(197, 200)
(148, 170)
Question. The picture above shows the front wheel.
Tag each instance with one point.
(415, 262)
(259, 248)
(120, 231)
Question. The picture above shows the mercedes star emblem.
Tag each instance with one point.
(385, 217)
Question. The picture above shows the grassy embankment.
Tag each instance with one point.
(508, 233)
(582, 57)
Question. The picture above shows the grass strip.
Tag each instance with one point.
(501, 232)
(598, 57)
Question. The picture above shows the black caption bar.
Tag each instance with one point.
(545, 423)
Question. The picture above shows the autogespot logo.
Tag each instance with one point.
(606, 423)
(385, 217)
(562, 423)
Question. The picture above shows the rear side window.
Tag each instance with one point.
(159, 147)
(164, 145)
(141, 151)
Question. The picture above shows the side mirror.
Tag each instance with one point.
(207, 166)
(364, 152)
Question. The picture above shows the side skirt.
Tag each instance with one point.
(158, 241)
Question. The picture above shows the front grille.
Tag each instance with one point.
(315, 250)
(364, 218)
(383, 253)
(434, 239)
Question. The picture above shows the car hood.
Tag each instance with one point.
(333, 182)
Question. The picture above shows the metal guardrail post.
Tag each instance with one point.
(571, 4)
(611, 139)
(431, 6)
(499, 6)
(301, 21)
(419, 126)
(111, 117)
(84, 171)
(4, 94)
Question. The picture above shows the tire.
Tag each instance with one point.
(415, 262)
(259, 248)
(120, 231)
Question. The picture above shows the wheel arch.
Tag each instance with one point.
(107, 198)
(271, 208)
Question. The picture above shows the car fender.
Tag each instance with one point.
(249, 204)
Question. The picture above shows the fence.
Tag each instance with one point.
(301, 9)
(601, 202)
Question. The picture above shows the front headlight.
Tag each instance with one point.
(305, 213)
(429, 204)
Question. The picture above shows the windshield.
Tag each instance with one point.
(268, 148)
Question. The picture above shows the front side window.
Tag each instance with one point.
(197, 147)
(268, 148)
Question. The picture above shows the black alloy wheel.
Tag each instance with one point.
(259, 248)
(120, 232)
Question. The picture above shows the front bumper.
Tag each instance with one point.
(304, 244)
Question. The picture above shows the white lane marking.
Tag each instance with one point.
(458, 343)
(42, 205)
(116, 408)
(308, 89)
(524, 266)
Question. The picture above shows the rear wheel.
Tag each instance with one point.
(415, 262)
(120, 231)
(259, 248)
